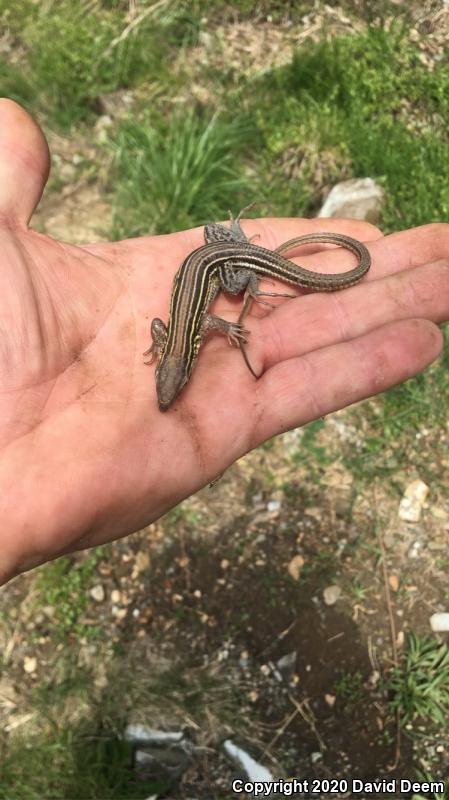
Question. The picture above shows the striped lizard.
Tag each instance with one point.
(230, 262)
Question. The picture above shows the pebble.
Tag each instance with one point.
(97, 593)
(331, 594)
(413, 500)
(440, 622)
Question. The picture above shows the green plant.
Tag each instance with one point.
(63, 584)
(420, 685)
(349, 688)
(76, 52)
(361, 105)
(176, 172)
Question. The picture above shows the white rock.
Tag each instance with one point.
(30, 664)
(331, 594)
(144, 734)
(97, 593)
(359, 198)
(253, 769)
(412, 503)
(440, 622)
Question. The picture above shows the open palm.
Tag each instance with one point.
(85, 454)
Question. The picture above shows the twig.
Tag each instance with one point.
(133, 24)
(379, 532)
(308, 719)
(279, 733)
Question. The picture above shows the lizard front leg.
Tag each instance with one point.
(159, 333)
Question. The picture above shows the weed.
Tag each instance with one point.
(370, 108)
(174, 173)
(63, 584)
(358, 591)
(420, 685)
(349, 688)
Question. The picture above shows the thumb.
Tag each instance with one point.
(24, 162)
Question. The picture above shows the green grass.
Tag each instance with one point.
(367, 101)
(350, 688)
(171, 174)
(64, 584)
(76, 52)
(87, 761)
(419, 687)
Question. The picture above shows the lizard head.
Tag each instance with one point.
(171, 376)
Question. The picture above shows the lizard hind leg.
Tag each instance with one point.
(238, 233)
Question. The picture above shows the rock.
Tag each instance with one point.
(412, 503)
(331, 594)
(440, 622)
(143, 734)
(161, 763)
(30, 664)
(393, 580)
(358, 198)
(414, 549)
(97, 593)
(295, 566)
(116, 596)
(253, 769)
(286, 664)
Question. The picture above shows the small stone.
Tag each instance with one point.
(273, 505)
(118, 613)
(393, 580)
(30, 664)
(97, 593)
(414, 549)
(412, 503)
(295, 566)
(331, 594)
(287, 662)
(440, 622)
(330, 699)
(116, 596)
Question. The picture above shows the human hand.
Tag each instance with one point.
(85, 454)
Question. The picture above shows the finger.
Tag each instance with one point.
(24, 162)
(389, 254)
(301, 389)
(319, 320)
(411, 248)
